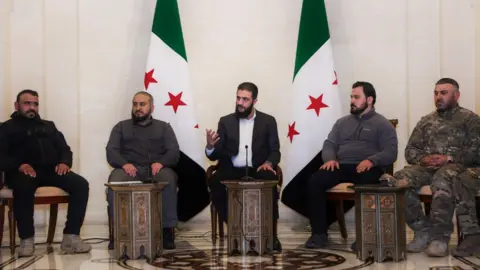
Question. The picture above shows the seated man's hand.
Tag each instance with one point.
(62, 169)
(130, 169)
(267, 166)
(212, 138)
(156, 167)
(364, 166)
(27, 170)
(434, 161)
(330, 165)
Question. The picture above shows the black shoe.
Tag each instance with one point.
(277, 246)
(317, 241)
(354, 246)
(168, 238)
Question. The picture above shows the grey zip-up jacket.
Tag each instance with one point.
(356, 138)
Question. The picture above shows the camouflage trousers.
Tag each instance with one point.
(466, 188)
(442, 182)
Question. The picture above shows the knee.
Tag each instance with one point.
(117, 175)
(266, 175)
(315, 181)
(81, 184)
(166, 175)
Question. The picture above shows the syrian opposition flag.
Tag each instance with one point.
(167, 79)
(315, 102)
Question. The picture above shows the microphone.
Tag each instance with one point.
(246, 177)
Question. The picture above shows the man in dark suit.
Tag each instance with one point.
(246, 138)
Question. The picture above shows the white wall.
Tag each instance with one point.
(86, 58)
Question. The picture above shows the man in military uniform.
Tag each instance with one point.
(466, 187)
(441, 145)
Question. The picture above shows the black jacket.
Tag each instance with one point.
(265, 142)
(33, 141)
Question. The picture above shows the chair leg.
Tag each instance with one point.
(213, 221)
(341, 219)
(110, 229)
(2, 221)
(52, 224)
(12, 228)
(220, 227)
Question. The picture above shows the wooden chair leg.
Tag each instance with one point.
(428, 206)
(110, 229)
(213, 221)
(2, 221)
(341, 219)
(11, 226)
(220, 227)
(52, 224)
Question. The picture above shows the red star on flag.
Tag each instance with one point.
(292, 132)
(196, 126)
(316, 104)
(175, 101)
(149, 79)
(336, 79)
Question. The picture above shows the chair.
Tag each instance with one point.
(44, 195)
(215, 219)
(341, 193)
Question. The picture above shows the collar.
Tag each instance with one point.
(450, 112)
(366, 116)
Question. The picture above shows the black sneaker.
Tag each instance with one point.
(317, 241)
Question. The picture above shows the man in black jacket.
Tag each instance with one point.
(245, 134)
(33, 153)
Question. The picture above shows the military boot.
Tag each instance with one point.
(437, 248)
(419, 242)
(469, 246)
(388, 180)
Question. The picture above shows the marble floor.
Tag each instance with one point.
(196, 251)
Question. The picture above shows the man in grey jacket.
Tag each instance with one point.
(143, 148)
(356, 150)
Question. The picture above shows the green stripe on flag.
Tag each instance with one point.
(313, 32)
(167, 26)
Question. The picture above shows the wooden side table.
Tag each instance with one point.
(250, 216)
(138, 220)
(380, 222)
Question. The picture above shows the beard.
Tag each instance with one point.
(245, 113)
(30, 114)
(140, 118)
(358, 110)
(443, 106)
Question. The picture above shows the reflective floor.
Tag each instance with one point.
(196, 251)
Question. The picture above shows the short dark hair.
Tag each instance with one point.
(449, 81)
(26, 91)
(150, 97)
(250, 87)
(368, 90)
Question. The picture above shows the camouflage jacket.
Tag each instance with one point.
(455, 133)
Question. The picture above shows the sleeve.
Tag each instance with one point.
(470, 153)
(218, 152)
(273, 143)
(172, 156)
(7, 162)
(388, 142)
(114, 156)
(64, 151)
(414, 151)
(330, 146)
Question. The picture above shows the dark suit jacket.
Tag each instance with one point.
(265, 142)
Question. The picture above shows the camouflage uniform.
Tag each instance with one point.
(454, 133)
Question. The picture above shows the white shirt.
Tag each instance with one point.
(246, 133)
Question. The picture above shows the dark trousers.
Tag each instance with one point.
(219, 190)
(321, 212)
(24, 188)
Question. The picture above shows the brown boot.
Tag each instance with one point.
(469, 246)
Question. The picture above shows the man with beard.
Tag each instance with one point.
(146, 149)
(357, 148)
(441, 146)
(246, 133)
(34, 153)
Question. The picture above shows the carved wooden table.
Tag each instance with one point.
(380, 222)
(138, 220)
(250, 216)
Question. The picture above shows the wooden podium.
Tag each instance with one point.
(250, 216)
(137, 214)
(380, 222)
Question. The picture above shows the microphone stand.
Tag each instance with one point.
(246, 177)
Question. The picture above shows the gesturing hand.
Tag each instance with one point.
(212, 138)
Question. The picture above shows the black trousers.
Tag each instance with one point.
(322, 212)
(219, 190)
(24, 188)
